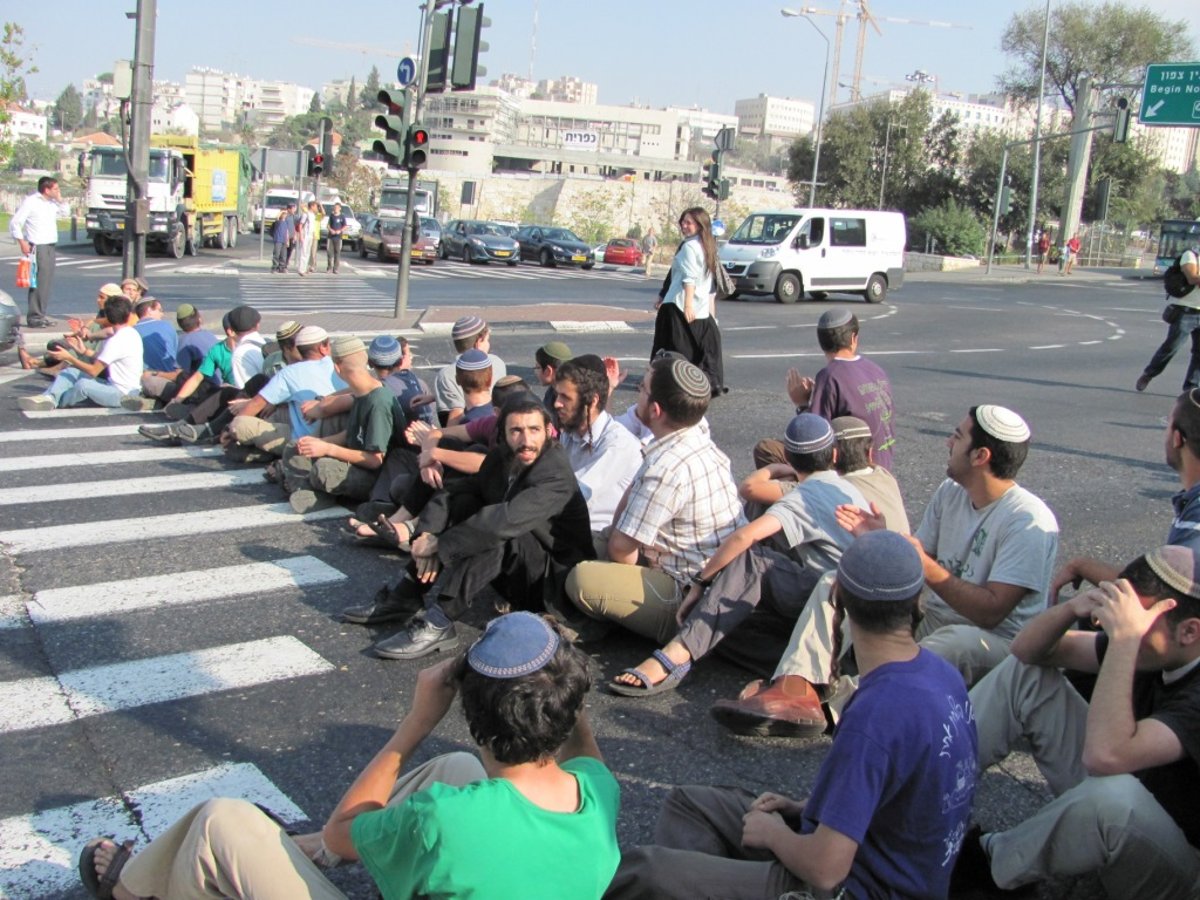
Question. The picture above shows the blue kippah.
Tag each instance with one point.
(513, 645)
(473, 360)
(881, 566)
(808, 433)
(384, 350)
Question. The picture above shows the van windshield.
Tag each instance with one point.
(764, 228)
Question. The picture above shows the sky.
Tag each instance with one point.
(705, 53)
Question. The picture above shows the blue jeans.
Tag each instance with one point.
(1177, 333)
(71, 387)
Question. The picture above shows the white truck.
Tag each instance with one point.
(393, 198)
(787, 252)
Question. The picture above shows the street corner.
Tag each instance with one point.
(575, 317)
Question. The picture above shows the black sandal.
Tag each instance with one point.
(98, 885)
(388, 532)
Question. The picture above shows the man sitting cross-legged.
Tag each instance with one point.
(891, 801)
(532, 818)
(1124, 766)
(518, 524)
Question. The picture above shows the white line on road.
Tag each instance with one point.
(157, 591)
(72, 412)
(39, 851)
(44, 701)
(106, 458)
(58, 434)
(115, 531)
(973, 350)
(12, 612)
(1089, 343)
(17, 375)
(1049, 347)
(121, 487)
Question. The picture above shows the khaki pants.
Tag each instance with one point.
(228, 848)
(267, 436)
(1109, 825)
(641, 599)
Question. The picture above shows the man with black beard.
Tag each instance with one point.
(519, 524)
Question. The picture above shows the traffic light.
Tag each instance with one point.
(306, 164)
(1006, 197)
(439, 52)
(712, 177)
(1103, 192)
(392, 147)
(316, 162)
(1121, 124)
(416, 147)
(465, 66)
(723, 193)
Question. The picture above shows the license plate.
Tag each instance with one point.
(503, 252)
(578, 258)
(120, 225)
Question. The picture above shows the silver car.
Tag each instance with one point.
(10, 321)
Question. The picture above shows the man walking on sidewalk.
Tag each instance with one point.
(34, 227)
(1185, 311)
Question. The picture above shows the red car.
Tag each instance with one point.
(623, 252)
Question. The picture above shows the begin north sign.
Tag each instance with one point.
(1171, 94)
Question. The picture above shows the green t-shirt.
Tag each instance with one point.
(486, 840)
(376, 422)
(218, 357)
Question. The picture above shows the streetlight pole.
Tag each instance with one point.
(791, 13)
(1037, 145)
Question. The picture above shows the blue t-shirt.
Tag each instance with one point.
(407, 386)
(283, 229)
(1185, 528)
(193, 345)
(159, 343)
(300, 382)
(900, 778)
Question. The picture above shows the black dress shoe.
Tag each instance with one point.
(40, 322)
(388, 605)
(417, 639)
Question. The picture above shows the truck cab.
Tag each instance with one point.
(787, 252)
(106, 179)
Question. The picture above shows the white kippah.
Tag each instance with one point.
(1002, 424)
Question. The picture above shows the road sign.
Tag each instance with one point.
(725, 138)
(406, 72)
(1171, 95)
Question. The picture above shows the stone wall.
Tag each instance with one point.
(930, 262)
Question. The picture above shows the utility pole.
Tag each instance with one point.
(1037, 144)
(1077, 159)
(137, 196)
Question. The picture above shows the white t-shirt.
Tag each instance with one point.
(1012, 541)
(122, 355)
(247, 358)
(1192, 300)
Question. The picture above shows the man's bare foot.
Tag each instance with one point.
(105, 852)
(360, 528)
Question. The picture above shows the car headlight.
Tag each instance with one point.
(475, 242)
(7, 306)
(769, 253)
(557, 251)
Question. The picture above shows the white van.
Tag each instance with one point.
(276, 201)
(787, 252)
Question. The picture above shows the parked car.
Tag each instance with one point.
(385, 238)
(623, 252)
(10, 320)
(353, 232)
(553, 246)
(477, 241)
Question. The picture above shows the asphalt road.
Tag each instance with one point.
(166, 632)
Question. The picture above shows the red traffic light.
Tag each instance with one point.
(420, 137)
(318, 159)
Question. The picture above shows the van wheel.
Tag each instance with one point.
(788, 288)
(876, 289)
(817, 295)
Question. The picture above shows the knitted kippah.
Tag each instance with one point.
(690, 379)
(1002, 424)
(517, 644)
(808, 433)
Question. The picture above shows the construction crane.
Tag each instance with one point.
(841, 17)
(364, 49)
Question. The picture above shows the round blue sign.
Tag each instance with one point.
(406, 71)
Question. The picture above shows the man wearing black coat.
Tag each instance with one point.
(519, 524)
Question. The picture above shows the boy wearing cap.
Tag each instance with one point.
(113, 373)
(849, 385)
(1124, 766)
(190, 349)
(247, 353)
(346, 464)
(468, 333)
(532, 818)
(891, 801)
(987, 546)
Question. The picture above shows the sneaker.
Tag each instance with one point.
(1142, 383)
(194, 434)
(37, 403)
(164, 434)
(138, 403)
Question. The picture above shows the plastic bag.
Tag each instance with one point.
(24, 272)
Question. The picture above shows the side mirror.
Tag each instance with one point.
(801, 242)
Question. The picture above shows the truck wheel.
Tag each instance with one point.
(102, 244)
(222, 238)
(817, 295)
(876, 289)
(176, 242)
(233, 232)
(788, 288)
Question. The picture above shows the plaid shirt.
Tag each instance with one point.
(682, 503)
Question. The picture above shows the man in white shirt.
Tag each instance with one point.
(119, 362)
(1186, 313)
(34, 227)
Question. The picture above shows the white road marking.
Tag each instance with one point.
(73, 412)
(1049, 347)
(979, 350)
(12, 612)
(157, 591)
(39, 851)
(44, 701)
(16, 375)
(57, 434)
(158, 484)
(112, 531)
(106, 458)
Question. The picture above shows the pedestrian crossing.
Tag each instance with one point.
(150, 673)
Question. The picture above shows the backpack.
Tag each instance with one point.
(1175, 282)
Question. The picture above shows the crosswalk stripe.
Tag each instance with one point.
(106, 457)
(45, 700)
(38, 852)
(156, 591)
(60, 434)
(122, 487)
(12, 612)
(75, 412)
(6, 377)
(113, 531)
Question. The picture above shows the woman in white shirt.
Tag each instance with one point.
(686, 324)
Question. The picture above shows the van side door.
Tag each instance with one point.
(848, 263)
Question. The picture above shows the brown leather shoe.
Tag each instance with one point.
(789, 707)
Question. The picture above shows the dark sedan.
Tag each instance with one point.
(476, 241)
(553, 246)
(385, 237)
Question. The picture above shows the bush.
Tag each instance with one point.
(954, 229)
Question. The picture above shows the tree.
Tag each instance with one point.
(30, 154)
(314, 105)
(68, 109)
(352, 97)
(14, 66)
(954, 230)
(368, 97)
(1109, 41)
